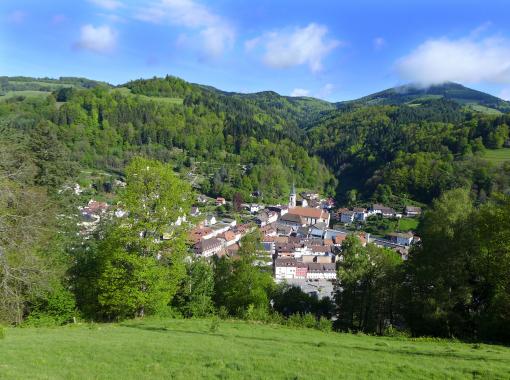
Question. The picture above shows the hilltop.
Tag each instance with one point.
(187, 349)
(413, 94)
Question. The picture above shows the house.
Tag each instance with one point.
(220, 201)
(318, 230)
(195, 211)
(386, 212)
(280, 210)
(347, 216)
(303, 232)
(321, 271)
(310, 215)
(292, 220)
(209, 247)
(285, 268)
(266, 217)
(412, 211)
(301, 270)
(210, 220)
(401, 238)
(230, 238)
(360, 214)
(283, 229)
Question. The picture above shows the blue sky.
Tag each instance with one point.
(335, 50)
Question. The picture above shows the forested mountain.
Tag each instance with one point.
(406, 143)
(415, 95)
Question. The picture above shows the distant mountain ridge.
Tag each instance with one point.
(413, 94)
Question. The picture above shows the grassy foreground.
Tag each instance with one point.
(188, 349)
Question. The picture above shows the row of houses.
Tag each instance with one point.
(290, 269)
(359, 214)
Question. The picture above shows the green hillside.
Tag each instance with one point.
(413, 94)
(190, 349)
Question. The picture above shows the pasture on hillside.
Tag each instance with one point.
(191, 349)
(497, 156)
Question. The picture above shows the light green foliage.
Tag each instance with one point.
(187, 349)
(139, 273)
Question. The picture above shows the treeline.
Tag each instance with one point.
(416, 152)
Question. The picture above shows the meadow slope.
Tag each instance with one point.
(190, 349)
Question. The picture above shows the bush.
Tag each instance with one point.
(223, 312)
(2, 332)
(324, 324)
(215, 324)
(253, 313)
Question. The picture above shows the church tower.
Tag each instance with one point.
(293, 197)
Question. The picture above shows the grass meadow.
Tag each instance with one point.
(192, 349)
(497, 156)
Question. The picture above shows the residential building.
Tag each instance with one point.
(285, 268)
(311, 216)
(412, 211)
(402, 238)
(209, 247)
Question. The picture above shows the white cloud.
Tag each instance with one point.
(107, 4)
(216, 33)
(17, 16)
(101, 39)
(298, 46)
(325, 91)
(505, 94)
(468, 60)
(300, 92)
(379, 43)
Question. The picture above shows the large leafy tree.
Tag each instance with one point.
(139, 270)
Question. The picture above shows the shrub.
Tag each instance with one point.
(324, 324)
(2, 332)
(215, 324)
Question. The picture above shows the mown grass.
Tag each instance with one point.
(497, 156)
(408, 224)
(191, 349)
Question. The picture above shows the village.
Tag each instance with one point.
(299, 243)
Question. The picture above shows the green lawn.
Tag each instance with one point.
(187, 349)
(497, 156)
(408, 224)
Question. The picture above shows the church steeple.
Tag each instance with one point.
(293, 197)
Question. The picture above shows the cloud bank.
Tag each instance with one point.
(469, 60)
(101, 39)
(300, 92)
(292, 47)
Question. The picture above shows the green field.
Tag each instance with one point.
(26, 93)
(497, 156)
(127, 91)
(188, 349)
(408, 224)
